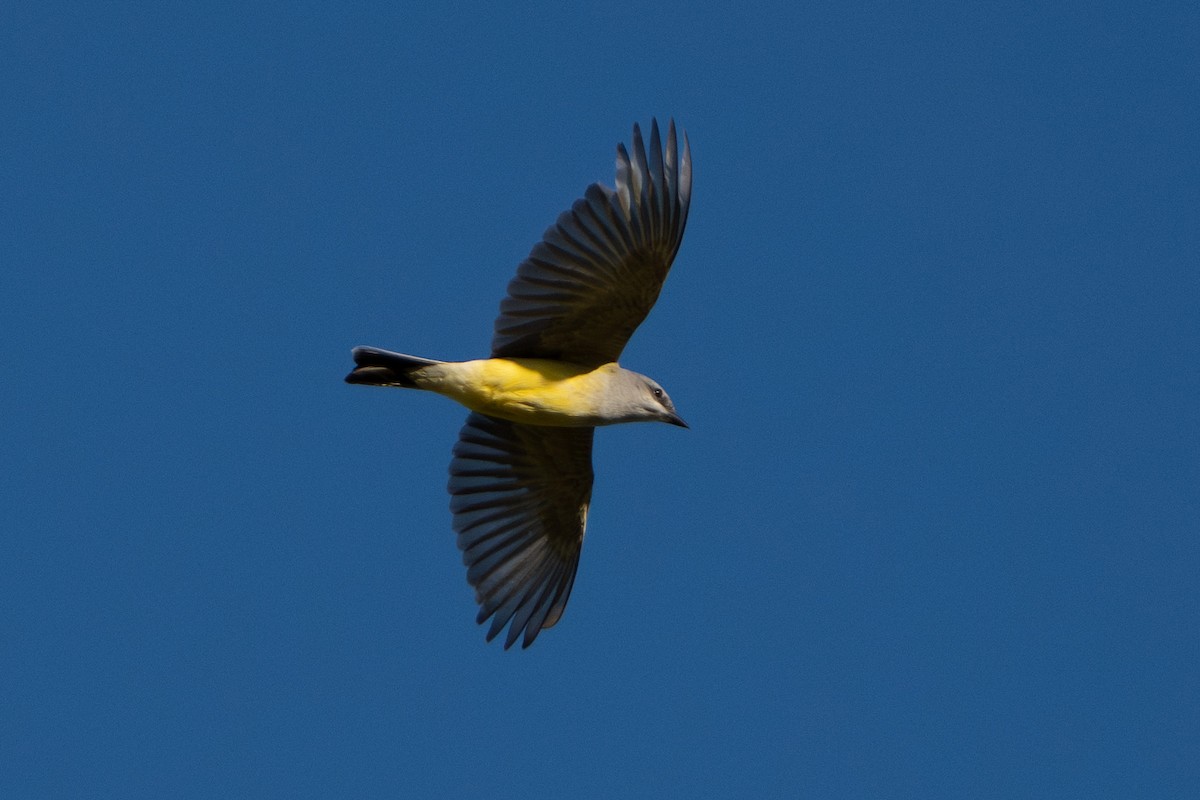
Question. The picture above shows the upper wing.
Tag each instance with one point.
(596, 273)
(520, 494)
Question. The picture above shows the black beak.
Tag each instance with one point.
(675, 419)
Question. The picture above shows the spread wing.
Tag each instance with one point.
(520, 494)
(596, 273)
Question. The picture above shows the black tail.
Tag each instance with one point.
(375, 367)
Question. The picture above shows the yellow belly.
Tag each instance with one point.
(529, 390)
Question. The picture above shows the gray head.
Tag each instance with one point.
(632, 397)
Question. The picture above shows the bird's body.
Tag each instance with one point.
(531, 391)
(521, 476)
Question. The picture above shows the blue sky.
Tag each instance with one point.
(934, 324)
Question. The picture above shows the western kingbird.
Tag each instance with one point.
(521, 475)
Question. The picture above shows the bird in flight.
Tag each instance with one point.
(521, 473)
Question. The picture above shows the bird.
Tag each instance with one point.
(521, 471)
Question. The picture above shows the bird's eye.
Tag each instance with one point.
(657, 393)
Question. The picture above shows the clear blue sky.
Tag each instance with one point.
(935, 324)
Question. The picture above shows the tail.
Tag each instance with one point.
(375, 367)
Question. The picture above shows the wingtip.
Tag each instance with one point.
(527, 635)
